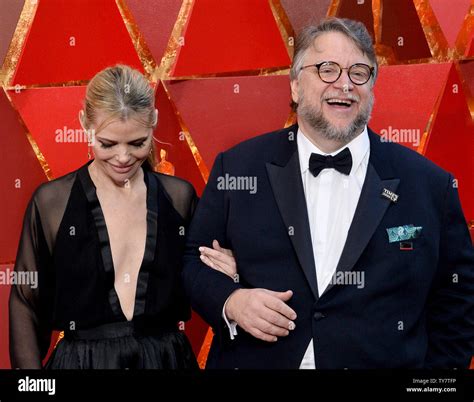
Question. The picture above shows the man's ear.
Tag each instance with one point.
(294, 85)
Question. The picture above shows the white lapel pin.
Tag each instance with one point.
(390, 195)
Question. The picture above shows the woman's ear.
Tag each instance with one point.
(156, 117)
(81, 119)
(90, 133)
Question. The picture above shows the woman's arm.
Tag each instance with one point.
(29, 334)
(220, 259)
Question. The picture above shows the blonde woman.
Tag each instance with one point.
(106, 242)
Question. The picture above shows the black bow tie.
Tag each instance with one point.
(342, 162)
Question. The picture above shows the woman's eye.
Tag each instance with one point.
(104, 145)
(137, 145)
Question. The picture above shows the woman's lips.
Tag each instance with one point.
(122, 169)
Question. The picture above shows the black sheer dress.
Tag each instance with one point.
(65, 242)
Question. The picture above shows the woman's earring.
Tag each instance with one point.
(89, 147)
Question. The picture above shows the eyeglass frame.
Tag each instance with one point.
(318, 65)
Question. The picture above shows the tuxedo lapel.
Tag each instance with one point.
(285, 178)
(370, 208)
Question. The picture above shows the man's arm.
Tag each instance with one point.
(208, 289)
(450, 311)
(260, 312)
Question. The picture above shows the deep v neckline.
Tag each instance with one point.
(104, 242)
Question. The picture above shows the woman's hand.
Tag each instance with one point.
(220, 259)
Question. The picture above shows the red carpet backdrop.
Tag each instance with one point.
(220, 71)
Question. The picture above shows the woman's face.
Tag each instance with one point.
(121, 147)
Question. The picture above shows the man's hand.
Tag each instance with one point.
(261, 312)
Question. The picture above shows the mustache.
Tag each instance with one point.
(349, 96)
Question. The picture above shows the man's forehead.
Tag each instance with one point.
(318, 43)
(324, 41)
(322, 44)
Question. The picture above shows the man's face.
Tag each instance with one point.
(319, 103)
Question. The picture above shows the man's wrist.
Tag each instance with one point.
(228, 308)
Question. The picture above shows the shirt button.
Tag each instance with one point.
(318, 316)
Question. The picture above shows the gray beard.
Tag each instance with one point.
(319, 123)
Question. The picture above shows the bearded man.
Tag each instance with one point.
(351, 253)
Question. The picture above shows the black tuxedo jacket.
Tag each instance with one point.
(416, 308)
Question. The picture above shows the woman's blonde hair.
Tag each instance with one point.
(122, 93)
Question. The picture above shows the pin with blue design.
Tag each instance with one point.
(390, 195)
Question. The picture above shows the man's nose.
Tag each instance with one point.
(344, 83)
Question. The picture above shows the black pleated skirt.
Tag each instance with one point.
(121, 346)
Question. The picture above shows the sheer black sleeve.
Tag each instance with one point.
(182, 195)
(30, 304)
(29, 338)
(184, 200)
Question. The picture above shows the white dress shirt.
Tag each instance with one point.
(331, 199)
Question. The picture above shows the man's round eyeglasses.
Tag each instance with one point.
(330, 71)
